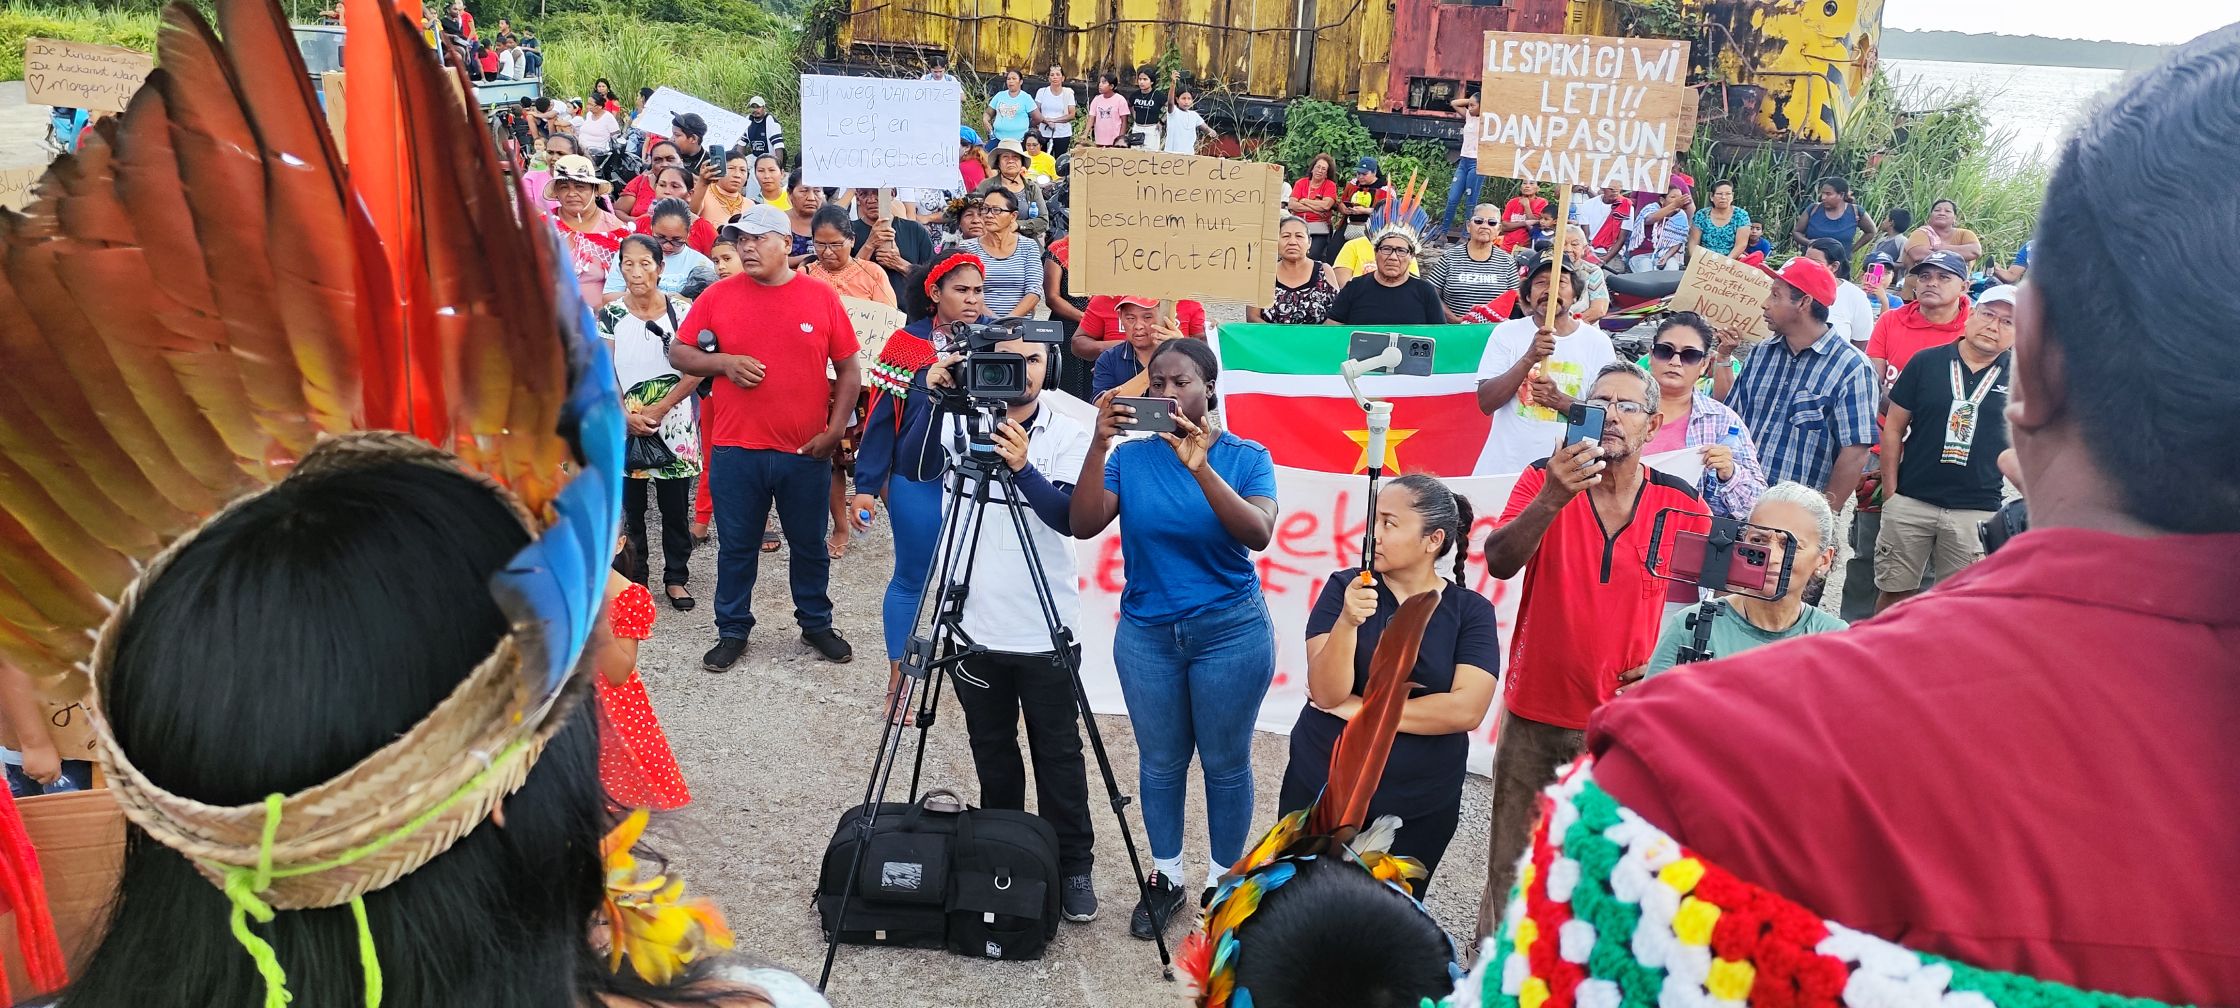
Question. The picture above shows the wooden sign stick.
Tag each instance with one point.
(1555, 275)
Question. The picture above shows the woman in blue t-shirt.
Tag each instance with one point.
(1194, 647)
(1419, 521)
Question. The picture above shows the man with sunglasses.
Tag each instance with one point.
(1578, 525)
(1529, 373)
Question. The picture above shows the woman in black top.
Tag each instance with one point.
(1419, 521)
(1389, 294)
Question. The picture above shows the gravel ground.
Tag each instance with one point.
(776, 749)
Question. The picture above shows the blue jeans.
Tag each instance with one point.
(914, 513)
(1462, 193)
(744, 483)
(1197, 684)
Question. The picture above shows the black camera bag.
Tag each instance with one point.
(980, 882)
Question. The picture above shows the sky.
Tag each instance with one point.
(2153, 22)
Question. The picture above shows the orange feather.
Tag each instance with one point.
(1357, 761)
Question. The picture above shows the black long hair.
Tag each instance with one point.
(292, 638)
(1442, 509)
(1209, 366)
(2151, 378)
(1336, 937)
(916, 303)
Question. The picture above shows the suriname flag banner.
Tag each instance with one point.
(1280, 387)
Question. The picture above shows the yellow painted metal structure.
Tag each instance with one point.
(1811, 57)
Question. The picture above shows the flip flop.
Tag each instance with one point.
(769, 542)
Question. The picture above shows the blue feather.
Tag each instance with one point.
(555, 586)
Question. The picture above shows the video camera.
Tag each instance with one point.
(991, 376)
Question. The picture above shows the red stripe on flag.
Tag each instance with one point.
(1440, 434)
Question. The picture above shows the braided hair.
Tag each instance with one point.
(1442, 510)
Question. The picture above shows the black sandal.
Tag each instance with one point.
(681, 603)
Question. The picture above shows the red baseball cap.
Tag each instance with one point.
(1135, 299)
(1810, 277)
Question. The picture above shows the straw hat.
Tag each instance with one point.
(575, 168)
(1012, 147)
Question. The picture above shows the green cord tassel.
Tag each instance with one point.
(242, 886)
(368, 959)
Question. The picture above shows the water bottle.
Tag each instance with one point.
(1732, 439)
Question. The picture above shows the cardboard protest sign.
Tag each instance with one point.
(1585, 110)
(16, 183)
(1174, 225)
(724, 127)
(864, 132)
(1728, 294)
(80, 839)
(81, 75)
(874, 322)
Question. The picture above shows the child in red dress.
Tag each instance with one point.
(635, 764)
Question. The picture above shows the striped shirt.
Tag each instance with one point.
(1465, 283)
(1803, 408)
(1010, 279)
(1708, 421)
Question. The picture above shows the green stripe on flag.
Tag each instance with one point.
(1317, 350)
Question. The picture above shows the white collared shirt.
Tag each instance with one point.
(1001, 612)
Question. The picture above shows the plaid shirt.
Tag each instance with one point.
(1802, 408)
(1708, 421)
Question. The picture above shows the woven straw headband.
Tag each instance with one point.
(375, 822)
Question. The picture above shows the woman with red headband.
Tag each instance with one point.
(939, 295)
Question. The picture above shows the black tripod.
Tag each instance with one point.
(943, 645)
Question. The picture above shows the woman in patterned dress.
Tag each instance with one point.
(659, 402)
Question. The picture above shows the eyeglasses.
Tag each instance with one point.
(1487, 221)
(997, 209)
(1687, 355)
(836, 246)
(1395, 250)
(670, 243)
(1996, 320)
(1625, 406)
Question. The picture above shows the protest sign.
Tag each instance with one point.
(873, 322)
(724, 127)
(1173, 225)
(1728, 294)
(79, 75)
(1584, 109)
(866, 132)
(1318, 532)
(16, 183)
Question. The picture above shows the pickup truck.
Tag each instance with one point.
(321, 46)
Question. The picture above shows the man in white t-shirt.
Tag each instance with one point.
(1184, 124)
(1013, 674)
(1552, 365)
(1588, 210)
(1055, 108)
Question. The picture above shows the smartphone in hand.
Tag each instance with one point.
(1585, 423)
(1153, 415)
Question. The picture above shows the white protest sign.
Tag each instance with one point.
(1318, 531)
(1174, 225)
(724, 127)
(873, 322)
(16, 185)
(1585, 110)
(864, 132)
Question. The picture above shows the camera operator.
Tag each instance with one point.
(1018, 674)
(1590, 609)
(1744, 622)
(2031, 767)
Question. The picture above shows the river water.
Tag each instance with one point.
(2034, 105)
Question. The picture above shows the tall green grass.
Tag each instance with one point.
(131, 29)
(1903, 147)
(719, 66)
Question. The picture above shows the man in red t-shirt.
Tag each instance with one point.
(1937, 315)
(2032, 767)
(1590, 609)
(767, 337)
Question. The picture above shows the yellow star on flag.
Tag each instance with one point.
(1392, 441)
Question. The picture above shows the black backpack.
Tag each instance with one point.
(979, 882)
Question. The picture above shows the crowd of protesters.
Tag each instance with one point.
(736, 270)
